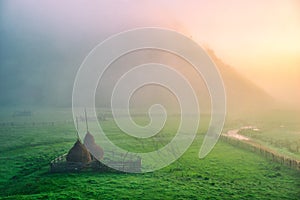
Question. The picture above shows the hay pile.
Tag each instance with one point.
(78, 153)
(89, 142)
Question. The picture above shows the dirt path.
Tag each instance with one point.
(234, 134)
(264, 150)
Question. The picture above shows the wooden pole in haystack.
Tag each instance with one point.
(77, 128)
(86, 122)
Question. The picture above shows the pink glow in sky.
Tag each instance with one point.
(260, 38)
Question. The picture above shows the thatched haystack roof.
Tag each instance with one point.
(96, 150)
(78, 153)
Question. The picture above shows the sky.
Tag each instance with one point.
(259, 38)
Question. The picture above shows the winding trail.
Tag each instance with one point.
(267, 152)
(235, 134)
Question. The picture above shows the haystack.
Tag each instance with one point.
(89, 142)
(78, 153)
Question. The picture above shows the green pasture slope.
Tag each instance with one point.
(226, 173)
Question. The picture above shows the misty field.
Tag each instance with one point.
(228, 172)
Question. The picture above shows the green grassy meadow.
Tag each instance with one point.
(227, 172)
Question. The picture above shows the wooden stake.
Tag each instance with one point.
(77, 128)
(86, 122)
